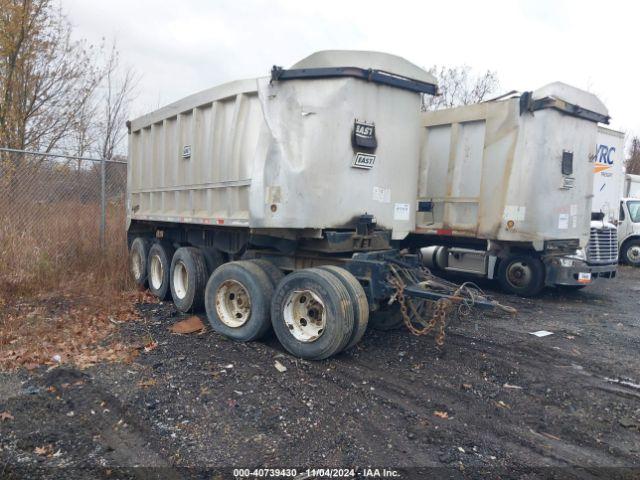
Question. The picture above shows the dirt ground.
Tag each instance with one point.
(494, 402)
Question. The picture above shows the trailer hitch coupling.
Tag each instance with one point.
(426, 302)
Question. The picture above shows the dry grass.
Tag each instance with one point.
(62, 295)
(55, 246)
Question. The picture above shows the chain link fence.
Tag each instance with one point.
(59, 214)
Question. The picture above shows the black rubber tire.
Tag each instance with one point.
(164, 252)
(196, 271)
(625, 252)
(386, 318)
(139, 252)
(358, 300)
(533, 287)
(213, 258)
(259, 288)
(273, 272)
(338, 310)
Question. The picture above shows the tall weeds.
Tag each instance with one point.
(48, 247)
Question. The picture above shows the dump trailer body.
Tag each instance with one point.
(505, 189)
(504, 170)
(309, 149)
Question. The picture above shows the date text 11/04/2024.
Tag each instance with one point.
(316, 473)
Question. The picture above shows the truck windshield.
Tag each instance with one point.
(634, 211)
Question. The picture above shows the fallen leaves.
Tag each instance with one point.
(44, 450)
(441, 414)
(280, 367)
(4, 416)
(47, 451)
(54, 329)
(192, 324)
(152, 345)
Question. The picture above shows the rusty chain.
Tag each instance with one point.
(437, 321)
(463, 295)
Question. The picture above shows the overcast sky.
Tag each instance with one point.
(180, 47)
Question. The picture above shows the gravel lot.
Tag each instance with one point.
(494, 401)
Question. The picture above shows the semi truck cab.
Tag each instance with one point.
(598, 260)
(629, 231)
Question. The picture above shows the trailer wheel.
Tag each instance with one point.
(159, 261)
(522, 275)
(358, 300)
(387, 317)
(312, 314)
(631, 252)
(273, 272)
(138, 255)
(188, 279)
(238, 301)
(213, 258)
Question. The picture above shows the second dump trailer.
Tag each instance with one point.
(504, 188)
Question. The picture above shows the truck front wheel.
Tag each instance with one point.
(631, 252)
(522, 275)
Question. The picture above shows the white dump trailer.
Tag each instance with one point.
(311, 171)
(504, 188)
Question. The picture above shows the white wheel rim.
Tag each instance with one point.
(156, 272)
(634, 253)
(136, 264)
(233, 303)
(305, 315)
(180, 280)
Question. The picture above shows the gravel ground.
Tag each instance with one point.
(495, 401)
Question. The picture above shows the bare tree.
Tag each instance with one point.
(114, 106)
(46, 79)
(632, 165)
(459, 86)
